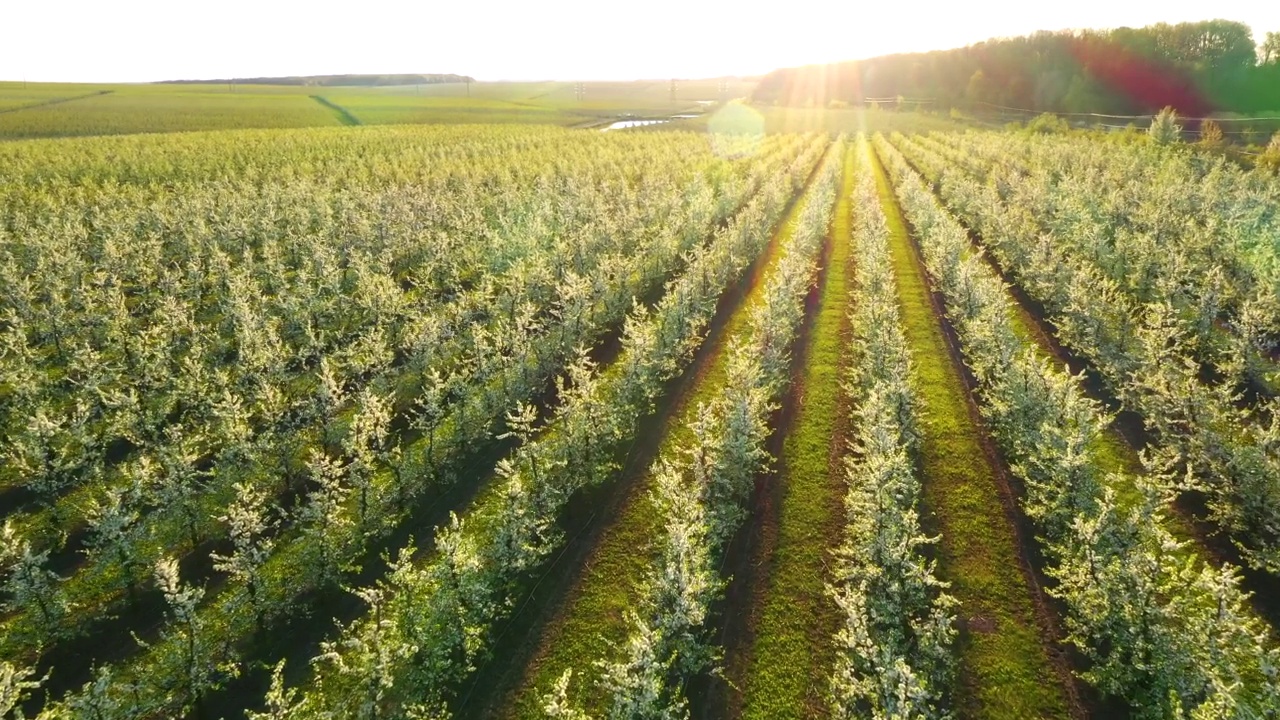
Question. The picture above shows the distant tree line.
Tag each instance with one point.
(337, 80)
(1198, 68)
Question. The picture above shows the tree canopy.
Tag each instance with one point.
(1197, 68)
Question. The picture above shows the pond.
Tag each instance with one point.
(632, 123)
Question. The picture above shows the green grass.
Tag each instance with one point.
(1005, 670)
(594, 614)
(792, 657)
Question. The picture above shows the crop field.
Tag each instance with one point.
(768, 414)
(61, 110)
(14, 96)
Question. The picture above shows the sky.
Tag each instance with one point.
(147, 40)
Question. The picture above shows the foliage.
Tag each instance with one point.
(31, 586)
(1163, 631)
(1046, 124)
(1165, 129)
(261, 341)
(1269, 50)
(1197, 67)
(15, 685)
(894, 650)
(1269, 160)
(1211, 137)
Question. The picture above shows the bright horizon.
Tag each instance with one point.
(147, 40)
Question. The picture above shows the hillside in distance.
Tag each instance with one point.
(336, 80)
(1198, 68)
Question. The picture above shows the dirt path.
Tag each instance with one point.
(1009, 665)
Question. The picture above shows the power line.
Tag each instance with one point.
(1125, 117)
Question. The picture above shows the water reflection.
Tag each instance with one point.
(633, 123)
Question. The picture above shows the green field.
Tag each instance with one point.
(57, 110)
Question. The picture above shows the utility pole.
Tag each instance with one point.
(673, 91)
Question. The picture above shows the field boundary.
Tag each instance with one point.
(344, 115)
(55, 101)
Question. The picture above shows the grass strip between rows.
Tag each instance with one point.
(792, 652)
(703, 488)
(1169, 637)
(1003, 661)
(612, 580)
